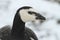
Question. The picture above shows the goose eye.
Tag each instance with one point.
(58, 21)
(30, 12)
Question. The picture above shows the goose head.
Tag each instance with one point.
(27, 13)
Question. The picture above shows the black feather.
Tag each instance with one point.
(6, 31)
(18, 31)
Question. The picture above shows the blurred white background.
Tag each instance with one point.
(49, 30)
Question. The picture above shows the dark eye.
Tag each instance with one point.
(58, 21)
(30, 12)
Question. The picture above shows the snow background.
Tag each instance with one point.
(49, 30)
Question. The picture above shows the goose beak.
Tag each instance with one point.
(40, 17)
(39, 20)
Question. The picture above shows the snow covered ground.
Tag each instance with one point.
(49, 30)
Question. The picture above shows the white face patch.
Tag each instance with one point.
(25, 16)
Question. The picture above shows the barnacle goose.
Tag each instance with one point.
(19, 31)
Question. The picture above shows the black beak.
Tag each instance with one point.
(38, 16)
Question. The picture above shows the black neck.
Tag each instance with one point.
(18, 27)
